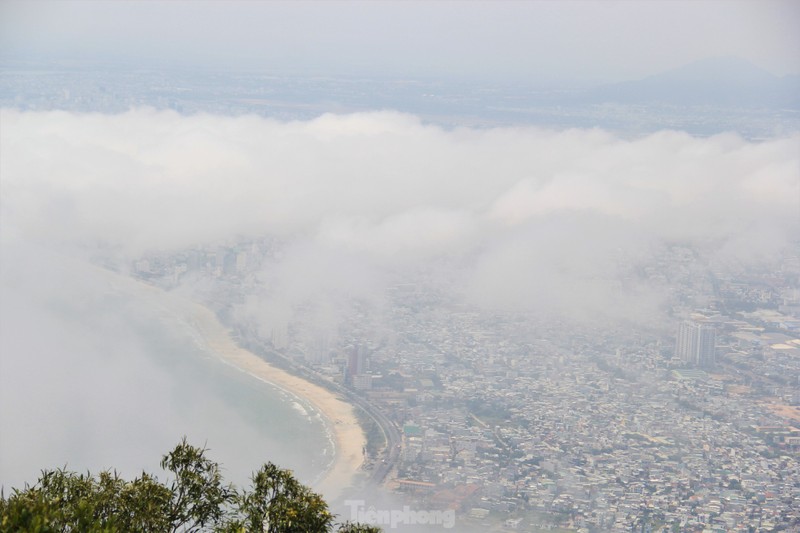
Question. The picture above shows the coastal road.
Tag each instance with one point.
(391, 453)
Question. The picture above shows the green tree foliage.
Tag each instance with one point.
(279, 503)
(197, 496)
(196, 500)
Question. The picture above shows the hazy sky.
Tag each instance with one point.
(503, 41)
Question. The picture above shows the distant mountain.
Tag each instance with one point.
(720, 81)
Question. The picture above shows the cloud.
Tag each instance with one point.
(422, 230)
(368, 192)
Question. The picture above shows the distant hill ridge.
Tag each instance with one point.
(718, 81)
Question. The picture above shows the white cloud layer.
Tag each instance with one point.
(381, 184)
(147, 179)
(541, 220)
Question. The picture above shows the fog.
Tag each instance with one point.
(385, 189)
(525, 219)
(97, 374)
(548, 223)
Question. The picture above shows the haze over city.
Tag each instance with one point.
(535, 263)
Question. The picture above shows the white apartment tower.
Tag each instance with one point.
(696, 343)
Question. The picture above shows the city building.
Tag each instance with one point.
(356, 362)
(696, 343)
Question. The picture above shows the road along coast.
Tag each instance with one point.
(348, 436)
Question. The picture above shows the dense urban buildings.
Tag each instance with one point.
(523, 423)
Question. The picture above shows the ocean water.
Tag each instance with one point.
(95, 374)
(246, 419)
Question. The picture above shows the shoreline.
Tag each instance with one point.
(339, 416)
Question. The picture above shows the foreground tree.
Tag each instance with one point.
(197, 499)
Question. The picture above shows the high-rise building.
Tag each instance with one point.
(356, 362)
(320, 347)
(696, 343)
(279, 335)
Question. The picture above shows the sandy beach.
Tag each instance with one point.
(348, 436)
